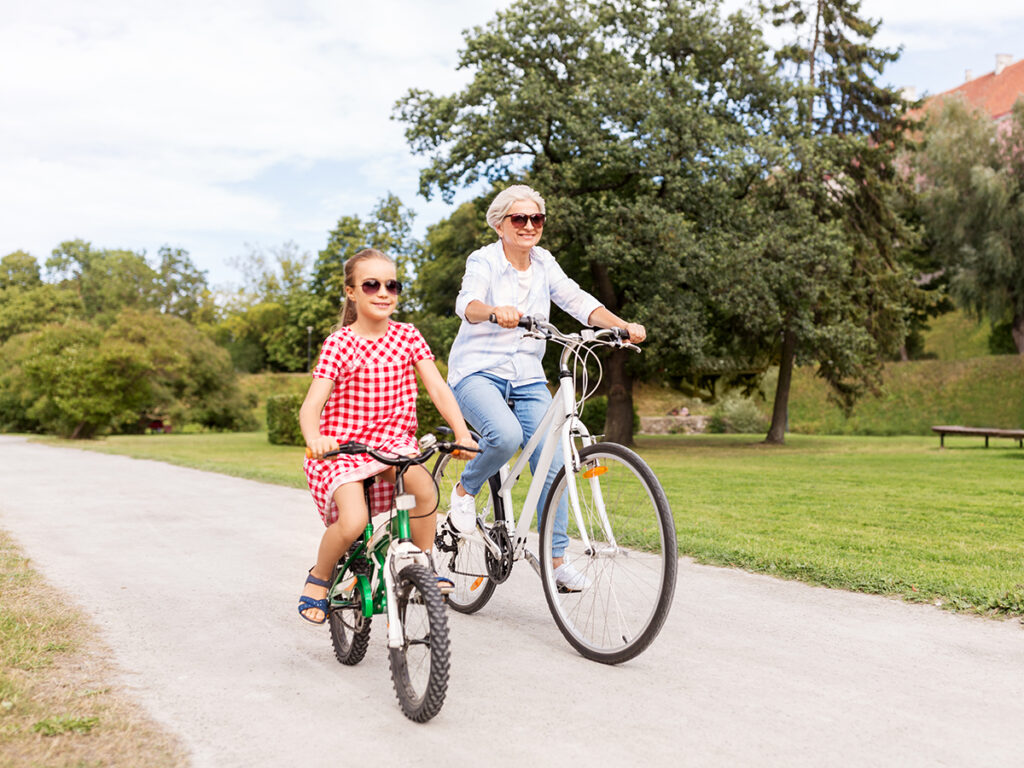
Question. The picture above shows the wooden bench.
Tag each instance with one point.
(987, 432)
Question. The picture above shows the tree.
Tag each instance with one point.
(841, 180)
(639, 122)
(266, 319)
(181, 287)
(972, 178)
(80, 380)
(105, 280)
(64, 379)
(26, 302)
(19, 270)
(439, 266)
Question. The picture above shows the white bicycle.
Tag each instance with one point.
(621, 533)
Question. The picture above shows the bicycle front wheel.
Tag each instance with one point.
(463, 560)
(627, 557)
(419, 667)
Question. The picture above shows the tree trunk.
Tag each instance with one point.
(780, 410)
(618, 421)
(1018, 332)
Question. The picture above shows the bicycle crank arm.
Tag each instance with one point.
(493, 548)
(532, 560)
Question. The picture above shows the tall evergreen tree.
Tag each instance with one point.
(841, 178)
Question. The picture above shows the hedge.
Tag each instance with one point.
(283, 420)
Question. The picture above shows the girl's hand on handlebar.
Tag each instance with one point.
(506, 317)
(315, 449)
(466, 442)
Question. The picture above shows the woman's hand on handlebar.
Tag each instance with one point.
(506, 317)
(637, 332)
(316, 448)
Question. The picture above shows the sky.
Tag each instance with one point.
(223, 126)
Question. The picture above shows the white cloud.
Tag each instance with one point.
(159, 114)
(133, 124)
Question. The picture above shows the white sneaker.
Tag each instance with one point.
(462, 512)
(568, 579)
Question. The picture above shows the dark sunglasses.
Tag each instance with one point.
(372, 286)
(519, 219)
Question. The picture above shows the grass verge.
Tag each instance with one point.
(57, 707)
(886, 515)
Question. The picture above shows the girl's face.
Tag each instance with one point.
(370, 294)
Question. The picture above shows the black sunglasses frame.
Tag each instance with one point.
(372, 286)
(519, 219)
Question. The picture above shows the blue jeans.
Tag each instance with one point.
(506, 418)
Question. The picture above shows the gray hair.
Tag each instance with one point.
(506, 198)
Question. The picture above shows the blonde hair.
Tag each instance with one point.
(348, 313)
(506, 198)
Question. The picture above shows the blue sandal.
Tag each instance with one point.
(444, 584)
(307, 603)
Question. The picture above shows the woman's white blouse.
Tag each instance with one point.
(491, 279)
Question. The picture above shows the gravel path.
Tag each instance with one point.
(193, 578)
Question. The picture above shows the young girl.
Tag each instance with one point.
(364, 390)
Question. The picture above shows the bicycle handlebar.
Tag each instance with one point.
(536, 325)
(395, 460)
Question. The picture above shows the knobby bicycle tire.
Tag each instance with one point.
(419, 668)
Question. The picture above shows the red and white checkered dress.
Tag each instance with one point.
(373, 402)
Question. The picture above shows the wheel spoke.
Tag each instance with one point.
(631, 582)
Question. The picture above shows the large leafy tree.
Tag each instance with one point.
(439, 267)
(839, 194)
(108, 280)
(640, 123)
(79, 380)
(26, 302)
(972, 178)
(265, 321)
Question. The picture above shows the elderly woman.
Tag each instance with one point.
(495, 372)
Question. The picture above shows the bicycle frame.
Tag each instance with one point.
(559, 425)
(388, 548)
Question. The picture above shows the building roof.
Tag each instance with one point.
(995, 93)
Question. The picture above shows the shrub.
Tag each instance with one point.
(283, 420)
(734, 414)
(426, 414)
(595, 411)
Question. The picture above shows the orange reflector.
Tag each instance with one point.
(476, 584)
(595, 472)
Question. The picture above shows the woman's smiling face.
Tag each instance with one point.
(524, 237)
(376, 305)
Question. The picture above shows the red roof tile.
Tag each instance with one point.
(994, 93)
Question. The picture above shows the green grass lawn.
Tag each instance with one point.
(887, 515)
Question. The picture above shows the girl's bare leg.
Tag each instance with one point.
(337, 539)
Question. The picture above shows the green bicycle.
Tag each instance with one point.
(385, 573)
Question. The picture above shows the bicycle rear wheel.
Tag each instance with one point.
(350, 629)
(419, 668)
(462, 560)
(630, 565)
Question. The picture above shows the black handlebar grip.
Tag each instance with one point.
(524, 322)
